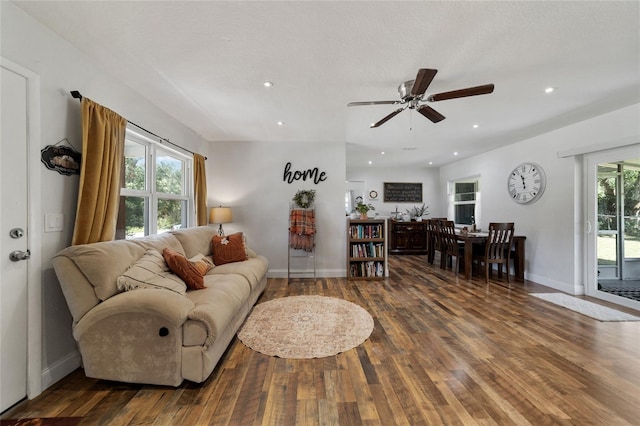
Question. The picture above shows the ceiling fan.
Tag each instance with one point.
(412, 96)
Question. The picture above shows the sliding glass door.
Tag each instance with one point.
(613, 225)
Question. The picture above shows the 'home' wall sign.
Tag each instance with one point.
(292, 176)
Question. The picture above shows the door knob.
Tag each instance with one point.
(18, 255)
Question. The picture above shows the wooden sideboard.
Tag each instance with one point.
(407, 237)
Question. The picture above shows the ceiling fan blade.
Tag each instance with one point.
(430, 113)
(387, 118)
(422, 81)
(373, 103)
(470, 91)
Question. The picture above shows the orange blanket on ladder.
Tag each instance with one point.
(302, 229)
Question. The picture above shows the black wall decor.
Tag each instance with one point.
(314, 174)
(63, 159)
(403, 192)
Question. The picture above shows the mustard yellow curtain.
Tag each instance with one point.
(103, 133)
(200, 189)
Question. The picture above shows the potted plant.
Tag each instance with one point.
(419, 212)
(363, 209)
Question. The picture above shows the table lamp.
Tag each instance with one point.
(220, 215)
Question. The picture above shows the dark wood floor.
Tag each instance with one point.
(443, 351)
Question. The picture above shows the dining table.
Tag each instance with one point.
(479, 238)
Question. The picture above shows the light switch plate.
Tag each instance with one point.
(53, 222)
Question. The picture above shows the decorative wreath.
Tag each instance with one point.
(304, 198)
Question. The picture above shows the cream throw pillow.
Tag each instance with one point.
(151, 271)
(203, 263)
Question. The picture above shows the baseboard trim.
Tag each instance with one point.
(557, 285)
(320, 273)
(61, 369)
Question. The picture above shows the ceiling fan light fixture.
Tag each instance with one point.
(412, 95)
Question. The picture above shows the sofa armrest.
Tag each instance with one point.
(135, 337)
(171, 307)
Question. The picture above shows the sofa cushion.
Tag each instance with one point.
(102, 263)
(182, 267)
(252, 269)
(195, 240)
(151, 271)
(159, 242)
(228, 248)
(215, 306)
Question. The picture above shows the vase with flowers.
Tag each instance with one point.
(418, 213)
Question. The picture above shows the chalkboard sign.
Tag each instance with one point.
(402, 192)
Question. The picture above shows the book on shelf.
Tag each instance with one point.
(366, 231)
(367, 250)
(367, 269)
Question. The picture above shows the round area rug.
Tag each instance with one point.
(305, 327)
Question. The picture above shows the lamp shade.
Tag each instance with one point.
(220, 215)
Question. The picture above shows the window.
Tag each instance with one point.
(155, 196)
(465, 199)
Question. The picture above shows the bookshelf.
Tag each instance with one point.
(366, 249)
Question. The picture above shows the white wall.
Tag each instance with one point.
(62, 68)
(554, 224)
(374, 179)
(248, 176)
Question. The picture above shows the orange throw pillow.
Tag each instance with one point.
(229, 248)
(186, 270)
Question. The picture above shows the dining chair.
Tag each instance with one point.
(497, 249)
(450, 247)
(433, 241)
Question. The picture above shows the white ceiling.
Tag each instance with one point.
(205, 62)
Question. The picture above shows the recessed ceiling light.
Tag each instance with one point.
(430, 162)
(382, 153)
(268, 84)
(549, 89)
(280, 123)
(370, 162)
(455, 153)
(475, 126)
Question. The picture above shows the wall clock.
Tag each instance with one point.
(526, 183)
(373, 194)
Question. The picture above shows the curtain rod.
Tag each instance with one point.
(75, 94)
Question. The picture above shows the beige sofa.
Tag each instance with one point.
(155, 336)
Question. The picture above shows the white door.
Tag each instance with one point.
(613, 248)
(13, 239)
